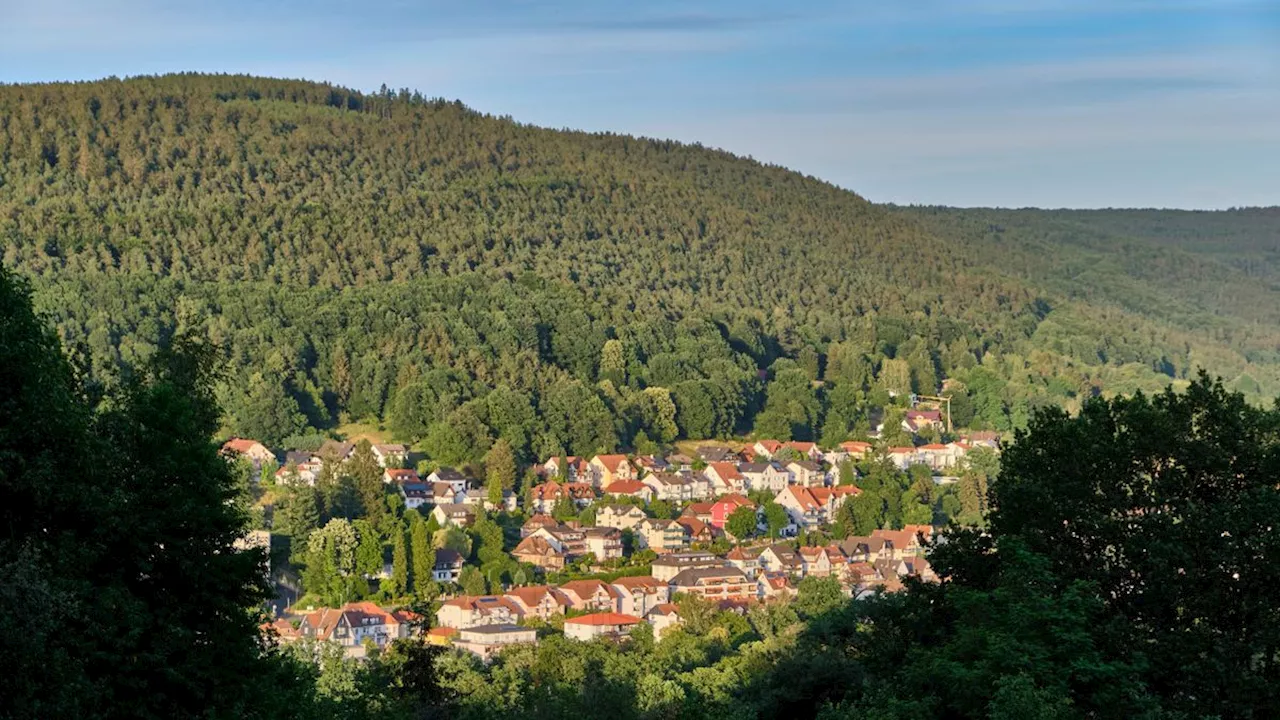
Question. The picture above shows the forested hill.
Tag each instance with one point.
(389, 256)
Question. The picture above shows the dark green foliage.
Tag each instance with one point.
(386, 257)
(741, 523)
(120, 590)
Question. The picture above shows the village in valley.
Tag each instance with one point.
(591, 547)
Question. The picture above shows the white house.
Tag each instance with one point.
(806, 473)
(622, 517)
(487, 640)
(597, 625)
(453, 477)
(764, 476)
(390, 455)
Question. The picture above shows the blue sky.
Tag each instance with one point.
(1059, 103)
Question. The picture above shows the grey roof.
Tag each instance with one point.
(339, 449)
(714, 453)
(693, 575)
(446, 558)
(297, 457)
(753, 467)
(448, 474)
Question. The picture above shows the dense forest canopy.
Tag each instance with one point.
(462, 277)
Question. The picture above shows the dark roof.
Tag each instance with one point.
(753, 467)
(339, 449)
(448, 474)
(415, 489)
(693, 575)
(297, 457)
(715, 453)
(447, 558)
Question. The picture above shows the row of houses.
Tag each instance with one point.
(352, 626)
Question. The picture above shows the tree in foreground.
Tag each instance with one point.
(1128, 570)
(122, 592)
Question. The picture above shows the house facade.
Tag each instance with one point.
(608, 469)
(488, 640)
(716, 583)
(467, 611)
(252, 450)
(452, 476)
(622, 517)
(660, 535)
(600, 625)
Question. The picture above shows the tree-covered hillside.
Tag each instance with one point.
(463, 277)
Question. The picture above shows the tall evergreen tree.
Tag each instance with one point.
(366, 473)
(424, 556)
(399, 565)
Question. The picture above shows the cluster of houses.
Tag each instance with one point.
(353, 626)
(708, 487)
(596, 608)
(801, 477)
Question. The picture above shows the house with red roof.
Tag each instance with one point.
(663, 618)
(807, 450)
(251, 450)
(578, 470)
(608, 469)
(856, 449)
(698, 531)
(776, 584)
(819, 562)
(539, 601)
(545, 496)
(539, 552)
(901, 543)
(725, 478)
(766, 448)
(467, 611)
(589, 595)
(354, 624)
(813, 506)
(904, 457)
(600, 625)
(745, 559)
(536, 523)
(630, 488)
(724, 506)
(917, 421)
(651, 464)
(699, 510)
(400, 475)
